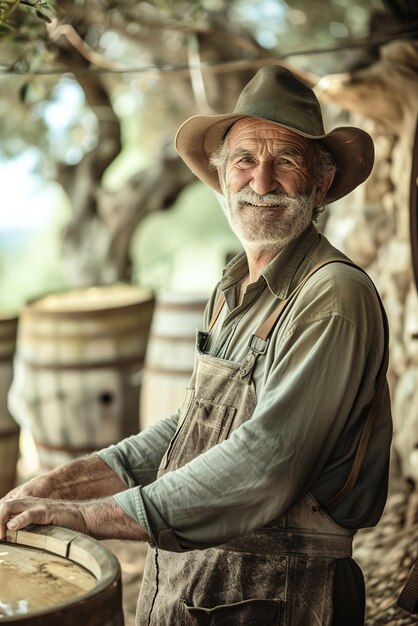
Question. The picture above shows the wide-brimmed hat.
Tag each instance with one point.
(275, 94)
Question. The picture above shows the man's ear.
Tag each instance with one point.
(322, 189)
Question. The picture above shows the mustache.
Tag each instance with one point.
(273, 198)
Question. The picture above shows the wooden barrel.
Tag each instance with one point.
(170, 353)
(52, 576)
(9, 429)
(78, 367)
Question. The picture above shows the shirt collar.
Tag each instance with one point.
(280, 272)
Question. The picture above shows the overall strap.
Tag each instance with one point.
(267, 326)
(261, 336)
(265, 329)
(219, 302)
(373, 412)
(263, 332)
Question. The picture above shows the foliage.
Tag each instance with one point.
(20, 17)
(172, 249)
(99, 87)
(31, 264)
(145, 35)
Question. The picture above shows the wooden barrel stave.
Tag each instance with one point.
(170, 353)
(100, 606)
(9, 454)
(9, 429)
(78, 372)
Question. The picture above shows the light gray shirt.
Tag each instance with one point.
(314, 387)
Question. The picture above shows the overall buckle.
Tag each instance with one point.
(258, 345)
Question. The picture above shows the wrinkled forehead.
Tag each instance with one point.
(254, 132)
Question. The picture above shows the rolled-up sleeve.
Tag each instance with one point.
(136, 460)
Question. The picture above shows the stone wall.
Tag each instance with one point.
(372, 224)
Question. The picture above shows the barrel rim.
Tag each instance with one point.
(31, 310)
(89, 448)
(7, 357)
(122, 362)
(12, 430)
(187, 307)
(60, 540)
(9, 317)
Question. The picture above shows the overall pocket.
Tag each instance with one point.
(205, 424)
(255, 612)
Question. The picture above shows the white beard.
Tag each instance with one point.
(277, 220)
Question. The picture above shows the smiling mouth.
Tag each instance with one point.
(262, 206)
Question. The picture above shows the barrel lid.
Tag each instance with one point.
(102, 592)
(91, 299)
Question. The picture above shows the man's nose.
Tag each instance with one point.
(263, 180)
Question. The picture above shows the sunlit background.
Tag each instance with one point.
(184, 248)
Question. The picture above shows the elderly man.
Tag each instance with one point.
(250, 495)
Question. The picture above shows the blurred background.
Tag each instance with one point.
(91, 94)
(109, 246)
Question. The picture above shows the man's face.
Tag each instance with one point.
(268, 182)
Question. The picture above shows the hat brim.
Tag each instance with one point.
(352, 148)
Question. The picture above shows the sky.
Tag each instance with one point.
(27, 199)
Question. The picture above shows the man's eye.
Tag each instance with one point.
(245, 162)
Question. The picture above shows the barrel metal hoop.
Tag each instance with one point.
(82, 365)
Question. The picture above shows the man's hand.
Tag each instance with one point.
(62, 497)
(17, 513)
(102, 518)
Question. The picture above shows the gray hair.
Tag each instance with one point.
(323, 165)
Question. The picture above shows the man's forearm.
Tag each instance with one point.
(82, 479)
(101, 518)
(105, 519)
(85, 478)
